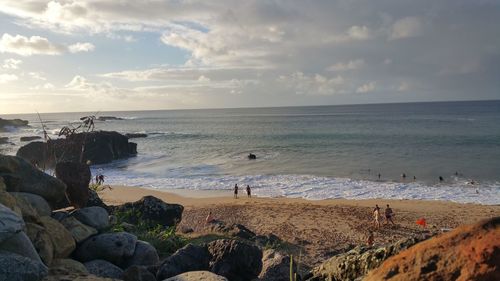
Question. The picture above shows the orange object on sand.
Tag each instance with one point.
(422, 222)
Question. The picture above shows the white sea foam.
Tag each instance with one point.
(316, 188)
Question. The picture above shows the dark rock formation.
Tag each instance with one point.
(39, 204)
(4, 140)
(235, 260)
(108, 118)
(104, 268)
(11, 224)
(357, 262)
(252, 156)
(96, 217)
(138, 273)
(136, 135)
(40, 239)
(79, 230)
(76, 176)
(188, 258)
(15, 123)
(113, 247)
(94, 200)
(30, 138)
(100, 147)
(470, 252)
(151, 210)
(61, 238)
(21, 176)
(14, 267)
(20, 244)
(144, 254)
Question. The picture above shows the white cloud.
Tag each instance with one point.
(81, 47)
(350, 65)
(27, 46)
(316, 84)
(37, 76)
(359, 32)
(11, 63)
(78, 83)
(46, 86)
(406, 27)
(6, 78)
(366, 88)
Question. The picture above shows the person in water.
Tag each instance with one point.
(379, 176)
(376, 216)
(388, 215)
(249, 191)
(236, 191)
(403, 176)
(441, 179)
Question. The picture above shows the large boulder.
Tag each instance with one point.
(11, 224)
(66, 266)
(61, 238)
(144, 254)
(7, 199)
(275, 266)
(104, 268)
(138, 273)
(470, 252)
(40, 239)
(20, 244)
(14, 267)
(95, 217)
(197, 276)
(76, 176)
(113, 247)
(189, 258)
(21, 176)
(79, 230)
(100, 147)
(6, 124)
(35, 201)
(235, 260)
(357, 262)
(152, 210)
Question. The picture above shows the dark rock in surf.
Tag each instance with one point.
(252, 156)
(31, 138)
(136, 135)
(108, 118)
(14, 123)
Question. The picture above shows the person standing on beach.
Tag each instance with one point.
(236, 191)
(249, 191)
(370, 239)
(376, 216)
(388, 215)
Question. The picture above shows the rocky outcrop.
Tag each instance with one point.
(14, 267)
(100, 147)
(152, 210)
(357, 262)
(275, 266)
(467, 253)
(76, 176)
(197, 276)
(21, 176)
(4, 140)
(235, 260)
(95, 217)
(12, 123)
(104, 268)
(113, 247)
(189, 258)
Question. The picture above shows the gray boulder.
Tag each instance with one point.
(79, 230)
(113, 247)
(14, 267)
(138, 273)
(152, 210)
(66, 266)
(59, 215)
(61, 238)
(21, 176)
(235, 260)
(104, 268)
(35, 201)
(11, 224)
(144, 254)
(197, 276)
(20, 244)
(96, 217)
(275, 266)
(189, 258)
(42, 242)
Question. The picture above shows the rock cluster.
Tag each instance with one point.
(14, 123)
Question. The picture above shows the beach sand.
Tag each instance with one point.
(315, 229)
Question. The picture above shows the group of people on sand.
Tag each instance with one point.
(377, 216)
(249, 191)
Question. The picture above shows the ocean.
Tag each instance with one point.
(314, 152)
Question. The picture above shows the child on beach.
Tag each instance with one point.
(210, 218)
(370, 239)
(249, 191)
(376, 216)
(236, 191)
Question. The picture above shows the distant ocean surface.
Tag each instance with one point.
(313, 152)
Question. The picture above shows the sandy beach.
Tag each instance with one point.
(314, 229)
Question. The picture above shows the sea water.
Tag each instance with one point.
(315, 152)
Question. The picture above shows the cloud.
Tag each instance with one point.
(406, 28)
(6, 78)
(11, 63)
(81, 47)
(37, 76)
(27, 46)
(45, 86)
(366, 88)
(403, 87)
(350, 65)
(78, 83)
(316, 84)
(359, 32)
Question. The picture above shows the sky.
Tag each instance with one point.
(109, 55)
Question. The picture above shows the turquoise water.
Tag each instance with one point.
(314, 152)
